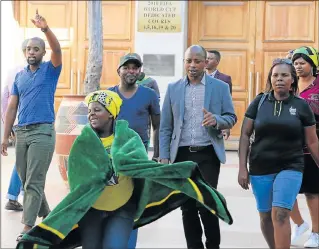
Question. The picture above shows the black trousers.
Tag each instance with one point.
(208, 167)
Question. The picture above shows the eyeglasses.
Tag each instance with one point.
(280, 61)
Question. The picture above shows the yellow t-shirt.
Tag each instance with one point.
(115, 196)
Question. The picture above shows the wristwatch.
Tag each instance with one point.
(44, 29)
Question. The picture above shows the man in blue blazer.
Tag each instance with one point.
(195, 111)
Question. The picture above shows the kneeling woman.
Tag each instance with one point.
(104, 203)
(282, 122)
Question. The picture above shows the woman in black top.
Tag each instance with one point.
(282, 122)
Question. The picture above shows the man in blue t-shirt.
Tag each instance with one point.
(32, 96)
(140, 104)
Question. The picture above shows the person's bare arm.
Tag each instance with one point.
(56, 55)
(312, 142)
(8, 122)
(156, 125)
(244, 142)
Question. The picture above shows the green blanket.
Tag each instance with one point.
(159, 188)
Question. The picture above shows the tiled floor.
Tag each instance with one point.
(168, 231)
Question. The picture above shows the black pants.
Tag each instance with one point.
(208, 167)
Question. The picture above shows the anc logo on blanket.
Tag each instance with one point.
(113, 181)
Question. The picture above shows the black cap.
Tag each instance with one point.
(134, 57)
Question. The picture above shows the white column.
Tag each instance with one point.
(11, 40)
(164, 43)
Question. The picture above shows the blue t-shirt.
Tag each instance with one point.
(36, 93)
(138, 109)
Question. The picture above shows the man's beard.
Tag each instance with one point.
(130, 81)
(33, 62)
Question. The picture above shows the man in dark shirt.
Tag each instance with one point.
(213, 59)
(149, 82)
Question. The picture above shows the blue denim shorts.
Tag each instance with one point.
(276, 190)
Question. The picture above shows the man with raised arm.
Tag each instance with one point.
(32, 96)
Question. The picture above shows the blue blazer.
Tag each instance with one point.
(217, 101)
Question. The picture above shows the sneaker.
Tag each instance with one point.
(313, 241)
(297, 231)
(14, 206)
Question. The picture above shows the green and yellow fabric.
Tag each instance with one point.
(146, 80)
(310, 53)
(159, 188)
(110, 100)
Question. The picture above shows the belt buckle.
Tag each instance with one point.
(190, 149)
(26, 127)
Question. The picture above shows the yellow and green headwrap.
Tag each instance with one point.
(310, 52)
(110, 100)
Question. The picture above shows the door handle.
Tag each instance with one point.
(79, 82)
(257, 83)
(250, 86)
(71, 79)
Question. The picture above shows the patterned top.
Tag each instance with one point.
(193, 133)
(311, 95)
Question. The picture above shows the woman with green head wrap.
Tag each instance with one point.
(306, 62)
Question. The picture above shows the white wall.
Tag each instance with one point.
(11, 39)
(164, 43)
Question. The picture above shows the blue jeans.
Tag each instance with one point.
(107, 230)
(276, 190)
(133, 239)
(14, 185)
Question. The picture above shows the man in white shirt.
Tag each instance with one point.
(15, 182)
